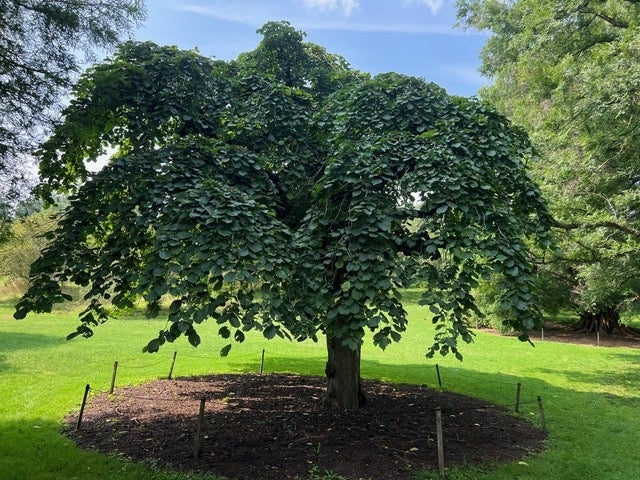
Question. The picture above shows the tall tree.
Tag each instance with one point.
(42, 47)
(285, 193)
(26, 241)
(569, 71)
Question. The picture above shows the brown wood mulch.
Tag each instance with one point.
(273, 426)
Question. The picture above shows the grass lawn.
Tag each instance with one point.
(591, 395)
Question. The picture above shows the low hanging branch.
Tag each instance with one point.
(607, 224)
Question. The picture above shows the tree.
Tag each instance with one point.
(23, 247)
(286, 193)
(569, 72)
(40, 44)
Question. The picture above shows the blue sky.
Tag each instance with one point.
(413, 37)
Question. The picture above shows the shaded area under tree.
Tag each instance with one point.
(274, 427)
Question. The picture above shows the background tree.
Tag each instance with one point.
(285, 193)
(22, 248)
(41, 44)
(569, 71)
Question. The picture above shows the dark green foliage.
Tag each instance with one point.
(569, 71)
(285, 193)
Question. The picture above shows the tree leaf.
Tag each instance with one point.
(270, 332)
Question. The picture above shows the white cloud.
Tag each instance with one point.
(434, 5)
(247, 13)
(384, 27)
(300, 14)
(346, 6)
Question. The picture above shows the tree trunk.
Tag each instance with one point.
(605, 320)
(343, 375)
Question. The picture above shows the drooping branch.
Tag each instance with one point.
(614, 22)
(606, 224)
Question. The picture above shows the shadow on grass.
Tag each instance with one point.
(37, 440)
(21, 341)
(14, 341)
(17, 341)
(35, 449)
(567, 411)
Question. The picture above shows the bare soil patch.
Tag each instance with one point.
(264, 427)
(558, 332)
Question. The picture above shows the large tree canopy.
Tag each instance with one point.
(41, 49)
(569, 71)
(286, 193)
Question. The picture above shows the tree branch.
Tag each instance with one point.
(613, 225)
(610, 20)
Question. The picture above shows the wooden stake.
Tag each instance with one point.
(518, 388)
(173, 362)
(113, 377)
(262, 362)
(439, 379)
(543, 422)
(84, 402)
(196, 450)
(440, 441)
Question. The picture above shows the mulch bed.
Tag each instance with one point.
(557, 332)
(274, 427)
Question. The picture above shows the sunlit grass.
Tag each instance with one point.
(590, 394)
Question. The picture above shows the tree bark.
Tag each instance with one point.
(344, 391)
(606, 320)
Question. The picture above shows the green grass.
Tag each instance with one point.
(591, 395)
